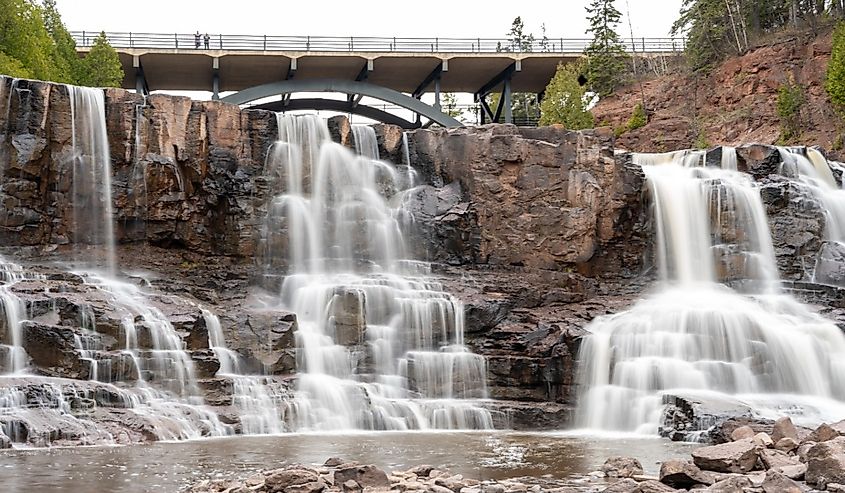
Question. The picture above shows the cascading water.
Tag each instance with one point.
(698, 336)
(814, 172)
(260, 410)
(380, 344)
(93, 217)
(14, 311)
(149, 374)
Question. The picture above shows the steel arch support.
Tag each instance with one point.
(343, 106)
(346, 87)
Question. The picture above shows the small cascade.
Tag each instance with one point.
(698, 336)
(14, 313)
(366, 143)
(93, 216)
(260, 409)
(380, 343)
(814, 172)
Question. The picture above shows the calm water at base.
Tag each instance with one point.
(167, 467)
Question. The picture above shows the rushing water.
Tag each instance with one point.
(149, 374)
(380, 343)
(93, 215)
(696, 335)
(166, 467)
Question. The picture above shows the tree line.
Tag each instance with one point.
(714, 30)
(35, 44)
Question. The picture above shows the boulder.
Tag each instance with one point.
(368, 476)
(784, 428)
(786, 444)
(830, 264)
(823, 433)
(795, 472)
(732, 484)
(347, 314)
(763, 440)
(737, 457)
(683, 474)
(653, 487)
(826, 463)
(626, 485)
(742, 432)
(293, 479)
(776, 482)
(775, 458)
(622, 467)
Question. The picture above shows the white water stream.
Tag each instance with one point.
(380, 343)
(697, 336)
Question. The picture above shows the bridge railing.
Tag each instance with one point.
(231, 42)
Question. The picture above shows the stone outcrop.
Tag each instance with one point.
(537, 232)
(536, 198)
(732, 104)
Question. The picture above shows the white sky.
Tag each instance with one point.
(422, 18)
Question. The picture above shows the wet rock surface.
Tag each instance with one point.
(536, 231)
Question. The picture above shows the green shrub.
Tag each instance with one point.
(638, 118)
(835, 81)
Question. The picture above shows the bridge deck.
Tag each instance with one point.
(172, 62)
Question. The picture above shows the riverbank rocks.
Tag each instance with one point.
(622, 467)
(339, 476)
(736, 457)
(826, 463)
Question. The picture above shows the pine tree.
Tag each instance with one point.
(835, 81)
(566, 100)
(605, 54)
(101, 67)
(67, 63)
(519, 41)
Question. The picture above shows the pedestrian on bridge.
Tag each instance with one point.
(207, 40)
(197, 40)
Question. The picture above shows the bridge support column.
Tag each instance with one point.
(140, 80)
(215, 80)
(505, 101)
(437, 94)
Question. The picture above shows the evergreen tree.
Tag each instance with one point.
(566, 99)
(101, 67)
(605, 54)
(835, 81)
(716, 29)
(519, 41)
(65, 59)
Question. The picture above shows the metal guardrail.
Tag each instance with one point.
(365, 44)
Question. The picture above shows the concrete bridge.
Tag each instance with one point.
(395, 70)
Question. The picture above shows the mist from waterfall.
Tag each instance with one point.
(697, 336)
(380, 343)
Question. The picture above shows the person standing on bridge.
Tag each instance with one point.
(197, 40)
(207, 40)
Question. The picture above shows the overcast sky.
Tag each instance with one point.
(423, 18)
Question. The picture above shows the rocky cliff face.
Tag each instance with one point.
(734, 104)
(528, 226)
(537, 231)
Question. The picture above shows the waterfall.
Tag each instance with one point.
(814, 172)
(14, 313)
(698, 336)
(93, 217)
(366, 143)
(380, 343)
(260, 410)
